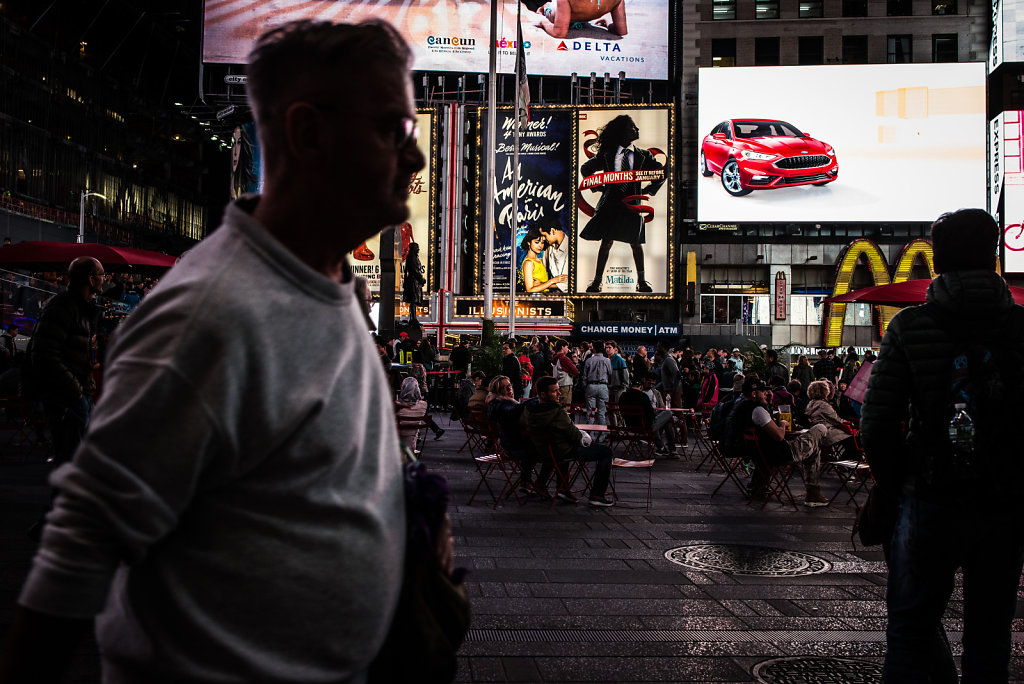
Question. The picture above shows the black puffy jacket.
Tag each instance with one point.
(911, 382)
(61, 349)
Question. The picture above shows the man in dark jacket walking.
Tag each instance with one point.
(511, 368)
(61, 354)
(958, 500)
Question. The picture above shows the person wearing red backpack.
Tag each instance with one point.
(527, 369)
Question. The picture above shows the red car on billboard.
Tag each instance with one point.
(762, 154)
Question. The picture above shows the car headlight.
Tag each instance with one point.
(757, 156)
(830, 152)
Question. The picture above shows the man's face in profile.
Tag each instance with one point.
(372, 159)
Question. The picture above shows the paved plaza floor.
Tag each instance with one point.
(573, 593)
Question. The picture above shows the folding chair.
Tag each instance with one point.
(631, 431)
(477, 431)
(418, 426)
(776, 482)
(854, 471)
(500, 463)
(700, 428)
(732, 466)
(566, 472)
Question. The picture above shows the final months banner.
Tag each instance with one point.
(545, 191)
(622, 240)
(365, 259)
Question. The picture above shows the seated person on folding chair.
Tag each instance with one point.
(805, 450)
(548, 419)
(477, 402)
(637, 412)
(505, 412)
(410, 404)
(820, 412)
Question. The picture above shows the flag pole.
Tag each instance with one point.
(515, 178)
(492, 118)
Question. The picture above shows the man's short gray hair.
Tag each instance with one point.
(283, 54)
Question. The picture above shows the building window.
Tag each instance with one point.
(855, 49)
(944, 47)
(766, 9)
(855, 8)
(723, 9)
(811, 9)
(943, 7)
(727, 309)
(723, 52)
(806, 309)
(766, 51)
(811, 50)
(899, 8)
(898, 50)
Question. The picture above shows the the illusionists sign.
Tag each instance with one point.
(473, 307)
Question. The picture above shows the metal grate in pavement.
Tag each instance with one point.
(592, 636)
(551, 636)
(745, 559)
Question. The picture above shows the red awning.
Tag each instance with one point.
(907, 293)
(46, 256)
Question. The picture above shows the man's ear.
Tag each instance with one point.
(303, 130)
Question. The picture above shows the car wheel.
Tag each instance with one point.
(704, 170)
(731, 179)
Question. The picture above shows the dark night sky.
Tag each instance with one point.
(151, 45)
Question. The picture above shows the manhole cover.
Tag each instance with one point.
(747, 560)
(800, 670)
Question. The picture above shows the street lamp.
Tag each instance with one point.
(81, 213)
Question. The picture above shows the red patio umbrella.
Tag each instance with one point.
(46, 256)
(907, 293)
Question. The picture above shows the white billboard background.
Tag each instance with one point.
(910, 139)
(452, 35)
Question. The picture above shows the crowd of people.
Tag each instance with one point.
(734, 390)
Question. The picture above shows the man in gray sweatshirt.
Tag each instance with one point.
(235, 511)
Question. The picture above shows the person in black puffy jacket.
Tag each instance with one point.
(957, 507)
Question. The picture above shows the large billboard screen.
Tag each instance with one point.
(892, 142)
(600, 36)
(623, 190)
(596, 184)
(365, 259)
(545, 195)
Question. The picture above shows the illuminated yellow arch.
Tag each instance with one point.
(844, 277)
(905, 263)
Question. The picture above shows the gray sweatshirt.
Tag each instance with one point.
(235, 511)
